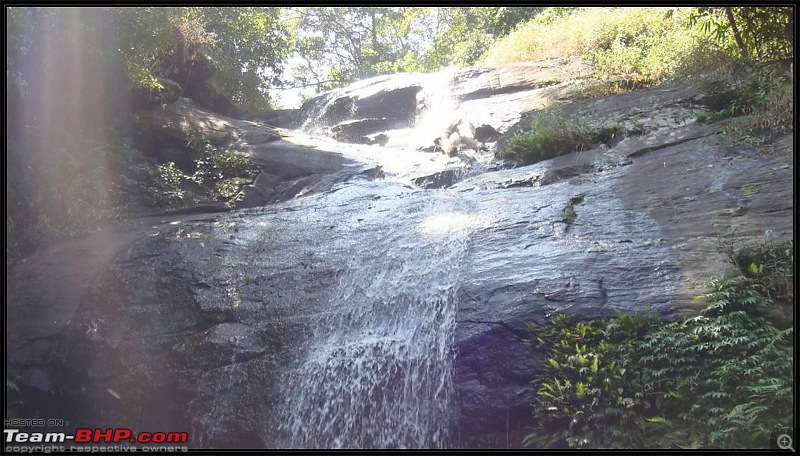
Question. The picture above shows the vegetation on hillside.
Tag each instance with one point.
(75, 77)
(738, 55)
(722, 379)
(551, 134)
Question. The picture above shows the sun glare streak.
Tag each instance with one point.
(74, 105)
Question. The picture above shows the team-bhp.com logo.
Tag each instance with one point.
(84, 435)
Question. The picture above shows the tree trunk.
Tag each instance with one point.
(751, 29)
(735, 29)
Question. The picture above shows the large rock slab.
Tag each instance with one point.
(491, 97)
(392, 99)
(474, 83)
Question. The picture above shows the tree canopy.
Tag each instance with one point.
(336, 45)
(246, 45)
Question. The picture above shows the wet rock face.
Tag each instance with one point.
(492, 99)
(359, 131)
(374, 107)
(441, 179)
(199, 323)
(152, 345)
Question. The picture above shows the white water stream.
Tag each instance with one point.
(378, 372)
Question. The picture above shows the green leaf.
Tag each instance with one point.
(656, 419)
(580, 391)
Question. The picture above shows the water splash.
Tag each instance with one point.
(378, 372)
(436, 107)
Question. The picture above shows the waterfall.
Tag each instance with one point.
(436, 107)
(378, 371)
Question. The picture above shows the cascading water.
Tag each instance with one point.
(408, 149)
(378, 368)
(437, 108)
(378, 371)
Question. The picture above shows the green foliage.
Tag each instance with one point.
(228, 190)
(248, 47)
(164, 185)
(69, 171)
(722, 379)
(763, 93)
(468, 32)
(767, 263)
(724, 376)
(140, 78)
(245, 45)
(646, 45)
(658, 44)
(618, 41)
(342, 44)
(752, 32)
(585, 396)
(348, 42)
(759, 95)
(633, 48)
(569, 209)
(550, 135)
(551, 14)
(222, 173)
(218, 165)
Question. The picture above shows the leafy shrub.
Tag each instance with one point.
(222, 173)
(759, 97)
(722, 379)
(653, 48)
(763, 33)
(550, 135)
(228, 190)
(218, 165)
(164, 185)
(734, 92)
(587, 397)
(767, 263)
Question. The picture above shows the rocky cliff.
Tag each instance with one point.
(198, 322)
